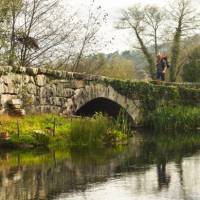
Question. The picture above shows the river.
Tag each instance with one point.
(144, 170)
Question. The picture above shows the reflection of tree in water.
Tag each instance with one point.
(45, 180)
(82, 169)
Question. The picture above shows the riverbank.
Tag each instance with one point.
(171, 119)
(57, 132)
(53, 131)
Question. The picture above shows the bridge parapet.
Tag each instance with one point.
(55, 74)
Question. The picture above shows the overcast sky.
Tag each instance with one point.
(122, 39)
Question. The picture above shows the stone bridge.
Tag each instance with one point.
(40, 90)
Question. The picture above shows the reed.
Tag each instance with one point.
(88, 131)
(179, 119)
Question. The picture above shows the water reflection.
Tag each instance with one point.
(146, 169)
(163, 177)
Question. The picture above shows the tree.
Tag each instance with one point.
(120, 68)
(191, 70)
(89, 29)
(42, 28)
(145, 23)
(150, 26)
(9, 10)
(185, 20)
(42, 32)
(154, 18)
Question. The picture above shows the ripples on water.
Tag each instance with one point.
(142, 171)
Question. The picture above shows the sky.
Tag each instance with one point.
(122, 38)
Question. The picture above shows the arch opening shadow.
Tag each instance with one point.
(105, 106)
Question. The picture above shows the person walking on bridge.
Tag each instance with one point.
(161, 67)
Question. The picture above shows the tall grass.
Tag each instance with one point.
(55, 131)
(96, 131)
(179, 118)
(122, 122)
(88, 131)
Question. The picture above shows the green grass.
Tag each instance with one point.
(179, 118)
(58, 132)
(29, 123)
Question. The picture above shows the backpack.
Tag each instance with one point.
(167, 63)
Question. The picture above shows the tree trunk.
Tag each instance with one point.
(148, 56)
(175, 53)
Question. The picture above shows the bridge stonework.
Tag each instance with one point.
(47, 91)
(59, 92)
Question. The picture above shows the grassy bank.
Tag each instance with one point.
(178, 119)
(54, 131)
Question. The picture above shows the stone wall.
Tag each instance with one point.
(60, 92)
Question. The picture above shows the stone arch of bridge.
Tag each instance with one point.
(101, 95)
(105, 106)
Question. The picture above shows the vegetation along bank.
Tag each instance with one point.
(56, 132)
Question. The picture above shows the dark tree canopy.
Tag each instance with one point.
(191, 70)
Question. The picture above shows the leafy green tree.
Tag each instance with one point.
(191, 70)
(184, 20)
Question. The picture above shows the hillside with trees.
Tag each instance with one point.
(154, 26)
(42, 33)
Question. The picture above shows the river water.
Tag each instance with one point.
(144, 170)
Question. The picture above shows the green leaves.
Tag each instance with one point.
(174, 119)
(191, 70)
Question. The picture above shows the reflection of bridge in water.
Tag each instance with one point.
(136, 168)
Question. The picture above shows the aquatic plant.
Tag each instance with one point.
(174, 118)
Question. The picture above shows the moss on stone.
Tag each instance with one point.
(153, 95)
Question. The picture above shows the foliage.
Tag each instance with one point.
(153, 28)
(119, 67)
(114, 137)
(23, 139)
(112, 65)
(155, 94)
(136, 18)
(31, 123)
(54, 131)
(150, 95)
(41, 32)
(86, 132)
(178, 118)
(122, 122)
(191, 70)
(96, 131)
(41, 139)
